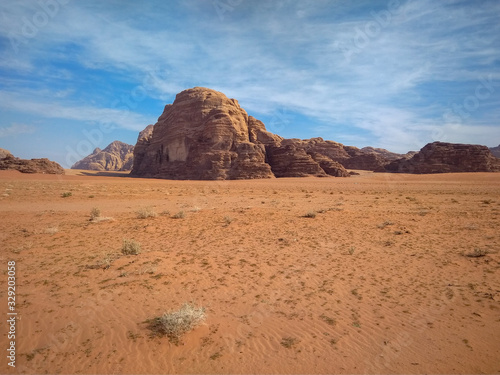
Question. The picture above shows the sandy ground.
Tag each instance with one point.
(379, 281)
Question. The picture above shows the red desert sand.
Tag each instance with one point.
(377, 273)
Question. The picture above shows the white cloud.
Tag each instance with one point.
(16, 129)
(51, 108)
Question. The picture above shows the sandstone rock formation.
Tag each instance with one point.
(141, 146)
(4, 153)
(117, 156)
(8, 161)
(440, 157)
(205, 135)
(495, 151)
(348, 156)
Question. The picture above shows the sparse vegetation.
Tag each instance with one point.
(179, 215)
(174, 324)
(385, 224)
(215, 356)
(310, 214)
(145, 212)
(477, 253)
(327, 320)
(131, 247)
(95, 216)
(105, 262)
(66, 194)
(95, 213)
(52, 230)
(228, 220)
(289, 342)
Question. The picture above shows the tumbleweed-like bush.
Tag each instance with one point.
(174, 324)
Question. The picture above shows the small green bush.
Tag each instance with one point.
(66, 194)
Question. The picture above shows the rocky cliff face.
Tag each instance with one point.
(117, 156)
(141, 146)
(8, 161)
(205, 135)
(440, 157)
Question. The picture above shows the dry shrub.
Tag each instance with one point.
(174, 324)
(477, 253)
(145, 212)
(179, 215)
(130, 247)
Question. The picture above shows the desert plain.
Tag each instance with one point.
(376, 273)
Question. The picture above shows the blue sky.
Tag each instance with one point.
(75, 75)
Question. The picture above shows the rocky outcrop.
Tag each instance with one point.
(117, 156)
(350, 157)
(330, 167)
(495, 151)
(4, 153)
(292, 161)
(205, 135)
(10, 162)
(440, 157)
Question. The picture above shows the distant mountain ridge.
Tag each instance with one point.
(495, 151)
(117, 156)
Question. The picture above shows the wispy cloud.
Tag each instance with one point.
(52, 108)
(16, 129)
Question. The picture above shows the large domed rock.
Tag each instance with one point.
(203, 135)
(441, 157)
(117, 156)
